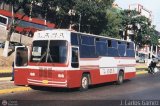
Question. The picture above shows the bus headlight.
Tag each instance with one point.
(32, 74)
(60, 75)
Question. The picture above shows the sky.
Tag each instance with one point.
(151, 5)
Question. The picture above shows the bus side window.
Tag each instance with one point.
(75, 59)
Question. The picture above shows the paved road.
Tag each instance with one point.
(143, 87)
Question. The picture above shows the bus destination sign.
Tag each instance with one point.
(50, 35)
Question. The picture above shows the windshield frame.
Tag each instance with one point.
(46, 57)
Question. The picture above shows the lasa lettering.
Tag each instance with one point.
(56, 35)
(47, 35)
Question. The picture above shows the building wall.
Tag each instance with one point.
(4, 6)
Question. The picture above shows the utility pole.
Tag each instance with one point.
(30, 13)
(9, 34)
(71, 14)
(80, 16)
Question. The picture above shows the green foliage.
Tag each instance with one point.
(146, 33)
(18, 5)
(22, 5)
(113, 23)
(91, 14)
(94, 16)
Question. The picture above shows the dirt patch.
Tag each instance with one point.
(6, 62)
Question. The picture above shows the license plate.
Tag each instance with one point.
(45, 81)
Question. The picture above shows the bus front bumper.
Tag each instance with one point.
(47, 83)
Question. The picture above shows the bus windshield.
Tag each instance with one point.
(53, 51)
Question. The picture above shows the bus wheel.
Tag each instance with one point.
(84, 82)
(120, 78)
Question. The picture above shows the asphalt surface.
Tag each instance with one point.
(143, 87)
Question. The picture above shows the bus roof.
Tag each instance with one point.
(72, 31)
(100, 36)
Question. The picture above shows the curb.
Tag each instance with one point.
(141, 72)
(5, 78)
(12, 90)
(5, 71)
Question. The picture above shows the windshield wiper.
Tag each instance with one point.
(49, 55)
(45, 53)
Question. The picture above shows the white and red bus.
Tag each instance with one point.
(63, 58)
(26, 25)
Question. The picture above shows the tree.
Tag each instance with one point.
(113, 23)
(90, 14)
(16, 6)
(144, 32)
(93, 14)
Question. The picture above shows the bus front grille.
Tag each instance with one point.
(45, 73)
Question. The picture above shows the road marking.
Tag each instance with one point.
(5, 71)
(12, 90)
(141, 72)
(5, 78)
(141, 66)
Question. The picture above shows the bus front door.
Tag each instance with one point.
(21, 65)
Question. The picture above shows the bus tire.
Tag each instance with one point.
(84, 82)
(120, 78)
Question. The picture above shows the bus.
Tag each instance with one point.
(69, 59)
(26, 25)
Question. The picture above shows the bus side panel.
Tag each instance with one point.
(130, 72)
(20, 76)
(96, 78)
(130, 75)
(74, 78)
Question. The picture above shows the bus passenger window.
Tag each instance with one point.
(109, 43)
(75, 61)
(128, 45)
